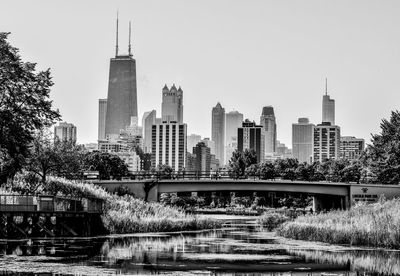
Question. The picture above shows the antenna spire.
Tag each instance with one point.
(129, 47)
(326, 86)
(116, 43)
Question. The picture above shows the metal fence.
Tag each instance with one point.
(42, 203)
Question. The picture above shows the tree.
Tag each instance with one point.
(25, 106)
(108, 165)
(266, 170)
(164, 171)
(382, 156)
(286, 168)
(240, 161)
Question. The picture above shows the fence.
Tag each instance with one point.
(41, 203)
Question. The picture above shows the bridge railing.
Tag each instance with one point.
(44, 203)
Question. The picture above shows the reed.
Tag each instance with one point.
(375, 225)
(272, 219)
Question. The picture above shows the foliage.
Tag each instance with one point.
(272, 219)
(25, 107)
(266, 170)
(59, 158)
(240, 161)
(375, 224)
(382, 157)
(164, 171)
(108, 165)
(286, 168)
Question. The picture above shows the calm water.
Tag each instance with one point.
(241, 248)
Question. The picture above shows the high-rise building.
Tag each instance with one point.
(192, 141)
(169, 145)
(268, 122)
(65, 132)
(251, 136)
(351, 147)
(210, 144)
(218, 132)
(102, 119)
(131, 159)
(303, 140)
(172, 104)
(328, 107)
(202, 158)
(282, 151)
(122, 92)
(148, 120)
(233, 120)
(326, 142)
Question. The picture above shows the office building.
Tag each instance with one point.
(251, 137)
(192, 141)
(328, 107)
(148, 120)
(122, 92)
(303, 140)
(233, 120)
(282, 151)
(218, 132)
(172, 105)
(202, 158)
(169, 145)
(65, 132)
(268, 122)
(351, 147)
(102, 119)
(326, 142)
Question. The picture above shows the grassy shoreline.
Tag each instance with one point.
(373, 225)
(121, 214)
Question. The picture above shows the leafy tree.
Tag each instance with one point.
(382, 156)
(352, 172)
(266, 170)
(240, 161)
(252, 170)
(24, 106)
(304, 172)
(286, 168)
(108, 165)
(164, 171)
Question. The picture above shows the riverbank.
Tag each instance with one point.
(121, 214)
(375, 225)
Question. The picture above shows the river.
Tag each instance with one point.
(240, 248)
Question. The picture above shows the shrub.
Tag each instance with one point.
(271, 220)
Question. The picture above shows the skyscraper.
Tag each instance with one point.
(202, 157)
(303, 140)
(169, 145)
(122, 92)
(172, 104)
(192, 141)
(233, 120)
(102, 119)
(218, 132)
(148, 120)
(328, 107)
(326, 142)
(65, 132)
(268, 122)
(251, 136)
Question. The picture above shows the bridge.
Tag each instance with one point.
(326, 195)
(24, 216)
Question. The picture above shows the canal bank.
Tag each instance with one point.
(241, 247)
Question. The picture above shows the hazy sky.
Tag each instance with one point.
(245, 54)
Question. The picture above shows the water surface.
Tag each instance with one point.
(240, 248)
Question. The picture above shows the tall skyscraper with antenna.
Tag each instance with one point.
(122, 91)
(328, 107)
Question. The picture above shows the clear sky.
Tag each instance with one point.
(245, 54)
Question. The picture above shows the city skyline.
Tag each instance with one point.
(361, 65)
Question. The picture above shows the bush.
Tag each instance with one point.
(271, 220)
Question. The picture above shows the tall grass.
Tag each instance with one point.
(375, 225)
(272, 219)
(121, 214)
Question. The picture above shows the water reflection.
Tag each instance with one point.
(241, 248)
